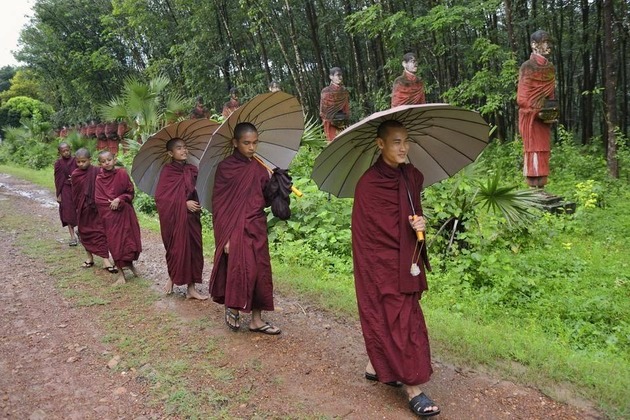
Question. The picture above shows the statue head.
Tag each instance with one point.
(409, 62)
(336, 75)
(541, 43)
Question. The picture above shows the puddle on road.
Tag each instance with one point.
(43, 197)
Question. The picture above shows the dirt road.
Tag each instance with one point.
(62, 360)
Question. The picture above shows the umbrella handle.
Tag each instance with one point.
(419, 233)
(294, 190)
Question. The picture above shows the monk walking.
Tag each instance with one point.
(408, 88)
(389, 269)
(241, 275)
(334, 105)
(64, 166)
(536, 84)
(113, 195)
(180, 220)
(89, 222)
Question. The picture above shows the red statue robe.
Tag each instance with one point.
(90, 226)
(334, 109)
(180, 228)
(408, 89)
(121, 226)
(63, 187)
(241, 279)
(229, 107)
(537, 78)
(383, 245)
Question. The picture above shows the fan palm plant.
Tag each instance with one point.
(145, 107)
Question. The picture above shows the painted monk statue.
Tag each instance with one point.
(241, 275)
(390, 269)
(180, 220)
(199, 111)
(408, 88)
(113, 195)
(89, 224)
(536, 88)
(64, 166)
(232, 105)
(334, 105)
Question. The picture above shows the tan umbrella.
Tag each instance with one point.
(279, 120)
(152, 156)
(444, 139)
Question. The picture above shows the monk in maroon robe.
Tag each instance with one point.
(89, 222)
(113, 196)
(63, 190)
(199, 111)
(389, 269)
(536, 84)
(334, 105)
(180, 220)
(232, 105)
(241, 275)
(408, 88)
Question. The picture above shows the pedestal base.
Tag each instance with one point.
(554, 203)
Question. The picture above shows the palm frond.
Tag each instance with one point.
(515, 205)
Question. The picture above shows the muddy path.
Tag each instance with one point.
(55, 354)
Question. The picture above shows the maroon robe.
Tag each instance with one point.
(90, 225)
(229, 107)
(334, 103)
(383, 244)
(408, 89)
(536, 83)
(181, 229)
(121, 226)
(243, 280)
(63, 188)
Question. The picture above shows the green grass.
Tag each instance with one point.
(42, 178)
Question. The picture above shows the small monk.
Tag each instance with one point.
(90, 225)
(232, 105)
(536, 84)
(180, 220)
(408, 88)
(199, 111)
(334, 105)
(389, 269)
(113, 196)
(241, 275)
(64, 166)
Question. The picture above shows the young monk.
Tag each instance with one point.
(63, 190)
(89, 222)
(388, 286)
(113, 195)
(180, 220)
(241, 275)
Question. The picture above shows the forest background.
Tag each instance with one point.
(548, 294)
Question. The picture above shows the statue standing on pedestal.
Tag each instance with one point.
(537, 109)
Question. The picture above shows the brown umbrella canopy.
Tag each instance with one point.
(444, 139)
(279, 120)
(152, 156)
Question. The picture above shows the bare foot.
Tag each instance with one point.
(192, 293)
(121, 280)
(168, 289)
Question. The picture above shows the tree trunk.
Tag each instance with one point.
(610, 83)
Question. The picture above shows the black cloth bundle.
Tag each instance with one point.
(277, 193)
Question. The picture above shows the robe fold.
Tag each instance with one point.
(121, 226)
(383, 246)
(408, 89)
(90, 225)
(333, 104)
(180, 228)
(241, 279)
(536, 83)
(63, 187)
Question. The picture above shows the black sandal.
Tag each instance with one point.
(111, 269)
(87, 264)
(374, 377)
(232, 319)
(420, 403)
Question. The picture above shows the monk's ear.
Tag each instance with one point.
(380, 143)
(235, 143)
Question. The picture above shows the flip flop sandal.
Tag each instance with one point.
(73, 243)
(87, 264)
(267, 329)
(232, 320)
(373, 377)
(420, 403)
(112, 270)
